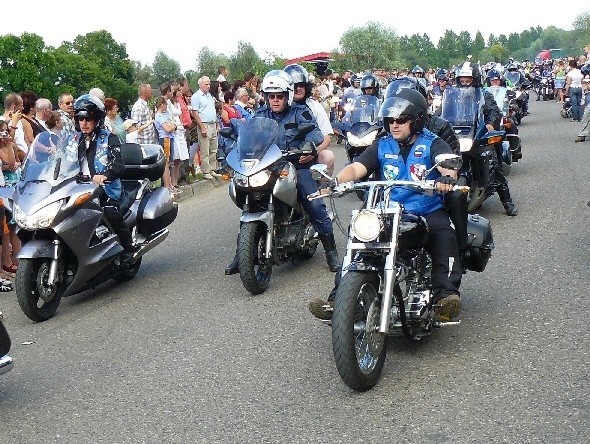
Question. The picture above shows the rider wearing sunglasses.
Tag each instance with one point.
(99, 154)
(405, 154)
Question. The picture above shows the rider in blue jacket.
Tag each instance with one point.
(405, 154)
(277, 87)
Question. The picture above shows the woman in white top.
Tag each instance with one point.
(180, 148)
(573, 87)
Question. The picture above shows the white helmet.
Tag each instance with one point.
(278, 81)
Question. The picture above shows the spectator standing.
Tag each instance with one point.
(584, 133)
(98, 93)
(180, 147)
(65, 101)
(165, 127)
(251, 85)
(223, 73)
(141, 113)
(241, 103)
(573, 87)
(560, 72)
(203, 112)
(228, 110)
(113, 121)
(44, 110)
(30, 125)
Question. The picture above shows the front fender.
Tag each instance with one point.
(265, 217)
(37, 248)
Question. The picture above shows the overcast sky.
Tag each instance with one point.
(317, 26)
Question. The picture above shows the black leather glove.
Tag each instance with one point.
(446, 180)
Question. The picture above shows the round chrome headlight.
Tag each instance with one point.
(366, 226)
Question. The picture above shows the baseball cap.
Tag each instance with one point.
(127, 124)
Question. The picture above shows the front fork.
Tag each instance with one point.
(52, 277)
(389, 274)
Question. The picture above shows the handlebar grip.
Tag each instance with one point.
(461, 188)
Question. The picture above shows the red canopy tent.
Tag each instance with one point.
(542, 56)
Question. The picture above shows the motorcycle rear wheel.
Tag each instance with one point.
(255, 269)
(359, 349)
(37, 301)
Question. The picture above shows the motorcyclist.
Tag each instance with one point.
(99, 154)
(494, 79)
(455, 201)
(418, 72)
(442, 81)
(408, 149)
(350, 94)
(370, 85)
(467, 76)
(516, 79)
(302, 96)
(277, 87)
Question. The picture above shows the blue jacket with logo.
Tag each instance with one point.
(393, 167)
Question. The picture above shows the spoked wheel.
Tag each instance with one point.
(37, 299)
(255, 269)
(359, 349)
(128, 272)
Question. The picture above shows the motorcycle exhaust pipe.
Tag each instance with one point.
(150, 243)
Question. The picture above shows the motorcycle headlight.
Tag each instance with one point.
(42, 218)
(361, 141)
(465, 144)
(366, 226)
(259, 179)
(240, 181)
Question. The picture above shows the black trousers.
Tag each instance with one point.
(115, 219)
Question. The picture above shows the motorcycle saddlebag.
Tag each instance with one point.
(156, 211)
(144, 161)
(480, 242)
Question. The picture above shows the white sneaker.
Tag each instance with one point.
(215, 174)
(207, 176)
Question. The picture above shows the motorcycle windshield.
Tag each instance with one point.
(364, 109)
(52, 159)
(513, 77)
(255, 137)
(499, 93)
(460, 106)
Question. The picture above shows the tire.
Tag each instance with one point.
(359, 358)
(29, 276)
(545, 96)
(255, 270)
(476, 198)
(129, 272)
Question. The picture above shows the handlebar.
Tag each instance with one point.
(347, 187)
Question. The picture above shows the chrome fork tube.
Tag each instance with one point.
(389, 275)
(54, 262)
(270, 227)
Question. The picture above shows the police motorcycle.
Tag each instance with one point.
(274, 228)
(461, 108)
(6, 363)
(68, 246)
(385, 289)
(511, 147)
(517, 94)
(546, 87)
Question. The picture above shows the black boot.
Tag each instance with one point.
(232, 267)
(510, 208)
(329, 244)
(504, 194)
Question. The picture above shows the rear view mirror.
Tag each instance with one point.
(449, 161)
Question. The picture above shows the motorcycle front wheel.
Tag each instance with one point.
(359, 349)
(255, 269)
(37, 300)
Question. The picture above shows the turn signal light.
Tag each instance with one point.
(83, 198)
(495, 139)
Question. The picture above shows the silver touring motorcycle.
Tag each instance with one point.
(68, 245)
(385, 289)
(273, 227)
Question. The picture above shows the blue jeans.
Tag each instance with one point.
(316, 209)
(575, 99)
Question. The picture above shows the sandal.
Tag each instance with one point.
(5, 285)
(11, 269)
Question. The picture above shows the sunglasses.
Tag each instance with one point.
(276, 96)
(400, 121)
(84, 119)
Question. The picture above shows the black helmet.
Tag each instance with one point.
(406, 102)
(494, 74)
(355, 78)
(418, 70)
(442, 74)
(89, 106)
(370, 81)
(299, 75)
(405, 82)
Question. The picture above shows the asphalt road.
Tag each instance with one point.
(183, 354)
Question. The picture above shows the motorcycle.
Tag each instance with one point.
(6, 363)
(68, 245)
(274, 228)
(461, 108)
(385, 287)
(546, 88)
(511, 147)
(360, 126)
(517, 94)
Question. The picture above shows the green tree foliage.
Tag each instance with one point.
(582, 28)
(244, 60)
(164, 69)
(370, 46)
(208, 62)
(479, 45)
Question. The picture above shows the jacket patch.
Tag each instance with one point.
(390, 172)
(391, 156)
(417, 171)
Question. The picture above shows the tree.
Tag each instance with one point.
(450, 49)
(165, 69)
(478, 44)
(582, 28)
(244, 60)
(513, 42)
(208, 62)
(370, 46)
